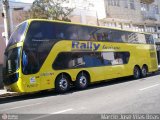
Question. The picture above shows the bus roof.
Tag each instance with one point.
(72, 23)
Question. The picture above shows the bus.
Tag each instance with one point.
(44, 54)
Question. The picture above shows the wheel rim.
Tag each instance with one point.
(144, 72)
(83, 81)
(63, 84)
(136, 73)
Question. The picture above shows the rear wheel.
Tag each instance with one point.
(82, 81)
(136, 72)
(62, 84)
(144, 71)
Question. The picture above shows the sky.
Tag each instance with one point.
(26, 1)
(99, 3)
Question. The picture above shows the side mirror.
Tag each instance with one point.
(24, 60)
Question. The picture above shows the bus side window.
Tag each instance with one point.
(91, 37)
(118, 59)
(60, 35)
(73, 36)
(149, 39)
(86, 33)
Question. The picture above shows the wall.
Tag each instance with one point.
(121, 12)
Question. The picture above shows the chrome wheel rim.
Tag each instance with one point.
(136, 73)
(144, 72)
(83, 81)
(63, 84)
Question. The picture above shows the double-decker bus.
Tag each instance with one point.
(44, 54)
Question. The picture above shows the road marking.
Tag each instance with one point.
(149, 87)
(58, 112)
(20, 107)
(62, 111)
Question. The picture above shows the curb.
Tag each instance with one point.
(4, 93)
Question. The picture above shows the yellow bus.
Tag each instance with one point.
(44, 54)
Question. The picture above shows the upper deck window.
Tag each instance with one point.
(49, 31)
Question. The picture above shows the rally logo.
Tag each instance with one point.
(89, 46)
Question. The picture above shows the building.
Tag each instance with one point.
(87, 11)
(137, 15)
(17, 10)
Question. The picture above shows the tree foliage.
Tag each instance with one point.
(50, 9)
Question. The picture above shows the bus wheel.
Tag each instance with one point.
(136, 72)
(62, 83)
(82, 81)
(144, 71)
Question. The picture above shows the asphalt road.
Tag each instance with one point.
(119, 96)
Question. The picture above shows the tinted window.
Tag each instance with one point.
(87, 33)
(120, 36)
(149, 39)
(11, 62)
(37, 45)
(103, 35)
(115, 58)
(17, 35)
(41, 31)
(53, 31)
(110, 35)
(90, 59)
(39, 41)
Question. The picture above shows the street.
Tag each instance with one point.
(119, 96)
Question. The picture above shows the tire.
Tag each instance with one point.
(144, 71)
(62, 84)
(136, 73)
(82, 81)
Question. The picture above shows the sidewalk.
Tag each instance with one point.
(2, 91)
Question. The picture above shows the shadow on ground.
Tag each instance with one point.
(72, 90)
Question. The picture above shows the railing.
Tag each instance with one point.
(149, 16)
(147, 1)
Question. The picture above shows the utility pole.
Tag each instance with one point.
(97, 18)
(6, 15)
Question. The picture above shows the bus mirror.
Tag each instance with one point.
(24, 59)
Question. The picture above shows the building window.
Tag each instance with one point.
(147, 6)
(126, 3)
(113, 3)
(156, 9)
(143, 8)
(132, 4)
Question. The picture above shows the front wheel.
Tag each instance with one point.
(136, 73)
(82, 81)
(62, 84)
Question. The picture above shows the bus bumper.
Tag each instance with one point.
(15, 87)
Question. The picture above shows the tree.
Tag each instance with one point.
(50, 9)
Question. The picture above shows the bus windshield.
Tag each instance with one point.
(18, 34)
(12, 60)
